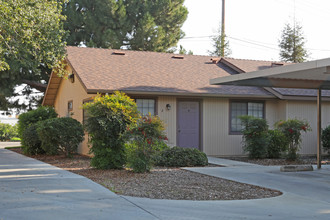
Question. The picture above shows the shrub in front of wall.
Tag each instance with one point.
(277, 145)
(180, 157)
(292, 129)
(146, 137)
(31, 117)
(326, 139)
(31, 142)
(60, 135)
(255, 137)
(108, 119)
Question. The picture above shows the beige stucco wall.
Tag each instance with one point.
(216, 138)
(307, 110)
(168, 116)
(72, 91)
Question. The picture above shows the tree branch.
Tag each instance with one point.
(36, 85)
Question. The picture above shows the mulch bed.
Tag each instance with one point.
(160, 183)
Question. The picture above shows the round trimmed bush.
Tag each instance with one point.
(31, 117)
(60, 135)
(181, 157)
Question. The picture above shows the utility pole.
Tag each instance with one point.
(223, 30)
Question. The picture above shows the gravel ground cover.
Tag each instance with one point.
(279, 162)
(160, 183)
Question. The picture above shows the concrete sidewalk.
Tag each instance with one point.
(30, 189)
(229, 163)
(9, 144)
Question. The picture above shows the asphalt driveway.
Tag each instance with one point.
(30, 189)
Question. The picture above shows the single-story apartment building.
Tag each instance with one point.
(177, 89)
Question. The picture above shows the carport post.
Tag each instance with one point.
(319, 128)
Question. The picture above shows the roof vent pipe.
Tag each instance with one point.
(118, 53)
(215, 60)
(178, 57)
(276, 64)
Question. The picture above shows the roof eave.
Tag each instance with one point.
(309, 75)
(131, 92)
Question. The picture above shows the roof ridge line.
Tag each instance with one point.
(231, 65)
(139, 51)
(278, 61)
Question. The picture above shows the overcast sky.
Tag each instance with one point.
(254, 27)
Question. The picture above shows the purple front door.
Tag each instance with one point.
(188, 124)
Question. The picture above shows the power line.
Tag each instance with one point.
(209, 36)
(249, 41)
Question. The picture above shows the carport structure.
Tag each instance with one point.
(308, 75)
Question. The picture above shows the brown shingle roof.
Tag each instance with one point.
(100, 70)
(301, 92)
(252, 65)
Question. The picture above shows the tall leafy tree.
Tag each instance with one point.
(31, 44)
(292, 44)
(220, 45)
(131, 24)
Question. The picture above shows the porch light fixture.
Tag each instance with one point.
(71, 77)
(168, 106)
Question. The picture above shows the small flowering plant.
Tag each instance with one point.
(292, 129)
(146, 137)
(148, 129)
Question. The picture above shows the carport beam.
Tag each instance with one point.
(319, 129)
